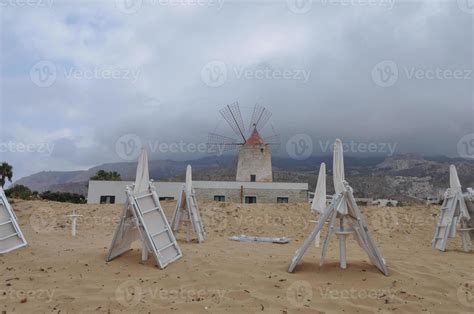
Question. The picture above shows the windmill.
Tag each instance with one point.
(254, 161)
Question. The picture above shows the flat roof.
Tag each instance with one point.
(250, 185)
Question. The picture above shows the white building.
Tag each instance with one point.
(113, 192)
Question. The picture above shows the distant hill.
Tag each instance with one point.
(76, 181)
(405, 177)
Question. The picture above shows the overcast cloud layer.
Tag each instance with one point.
(77, 78)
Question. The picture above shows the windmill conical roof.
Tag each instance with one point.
(255, 138)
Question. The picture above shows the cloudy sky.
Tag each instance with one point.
(83, 84)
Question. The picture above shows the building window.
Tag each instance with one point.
(219, 198)
(282, 200)
(107, 199)
(253, 178)
(166, 198)
(250, 200)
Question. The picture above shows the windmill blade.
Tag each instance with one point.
(220, 143)
(273, 140)
(260, 117)
(233, 116)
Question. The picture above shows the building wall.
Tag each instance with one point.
(117, 189)
(206, 190)
(255, 160)
(263, 195)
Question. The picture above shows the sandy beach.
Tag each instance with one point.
(58, 273)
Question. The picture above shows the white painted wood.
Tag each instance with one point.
(245, 238)
(344, 207)
(454, 211)
(11, 236)
(74, 217)
(187, 211)
(143, 219)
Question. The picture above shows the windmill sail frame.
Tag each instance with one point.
(232, 114)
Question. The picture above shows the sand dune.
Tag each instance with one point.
(58, 273)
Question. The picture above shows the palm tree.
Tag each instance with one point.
(6, 172)
(102, 175)
(115, 176)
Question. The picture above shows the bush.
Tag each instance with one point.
(24, 193)
(103, 175)
(63, 197)
(20, 191)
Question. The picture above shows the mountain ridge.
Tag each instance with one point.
(405, 177)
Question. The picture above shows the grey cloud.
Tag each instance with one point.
(338, 46)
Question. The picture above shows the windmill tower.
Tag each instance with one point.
(255, 157)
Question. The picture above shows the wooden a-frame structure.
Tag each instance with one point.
(455, 211)
(187, 211)
(143, 219)
(11, 236)
(343, 208)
